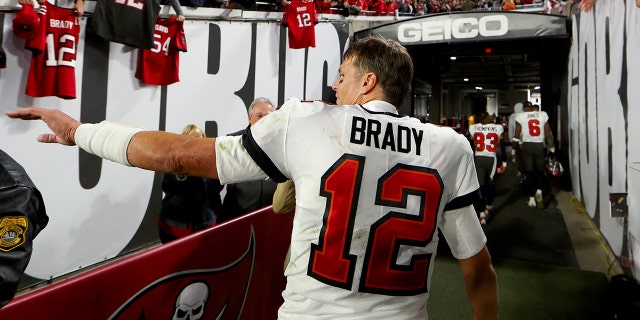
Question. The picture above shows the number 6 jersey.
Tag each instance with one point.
(372, 189)
(532, 123)
(53, 62)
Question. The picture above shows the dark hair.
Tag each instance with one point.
(388, 60)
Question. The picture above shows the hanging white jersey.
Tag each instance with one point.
(532, 124)
(486, 138)
(372, 188)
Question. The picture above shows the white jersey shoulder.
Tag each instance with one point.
(532, 124)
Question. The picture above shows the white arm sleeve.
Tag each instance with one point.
(234, 163)
(108, 140)
(463, 232)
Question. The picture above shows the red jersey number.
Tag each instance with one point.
(488, 142)
(534, 127)
(330, 261)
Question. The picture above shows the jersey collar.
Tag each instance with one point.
(380, 106)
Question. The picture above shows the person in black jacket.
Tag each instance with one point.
(22, 217)
(245, 197)
(186, 207)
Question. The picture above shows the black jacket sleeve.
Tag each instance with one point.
(22, 217)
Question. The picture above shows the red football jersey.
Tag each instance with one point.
(160, 65)
(53, 62)
(300, 18)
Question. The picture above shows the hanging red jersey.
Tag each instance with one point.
(160, 64)
(300, 18)
(53, 62)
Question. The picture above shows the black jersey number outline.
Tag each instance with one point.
(330, 261)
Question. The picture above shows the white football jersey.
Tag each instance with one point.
(486, 138)
(532, 124)
(372, 188)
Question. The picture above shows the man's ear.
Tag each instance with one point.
(369, 81)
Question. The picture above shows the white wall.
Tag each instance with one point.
(604, 104)
(92, 223)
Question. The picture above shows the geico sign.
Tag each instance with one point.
(461, 28)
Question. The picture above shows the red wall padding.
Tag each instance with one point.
(239, 262)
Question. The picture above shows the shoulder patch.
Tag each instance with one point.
(13, 231)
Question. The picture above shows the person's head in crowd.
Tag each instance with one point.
(518, 107)
(259, 108)
(486, 118)
(374, 69)
(527, 106)
(193, 130)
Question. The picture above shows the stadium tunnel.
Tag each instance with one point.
(495, 51)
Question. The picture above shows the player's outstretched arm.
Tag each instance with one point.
(151, 150)
(174, 153)
(481, 284)
(62, 126)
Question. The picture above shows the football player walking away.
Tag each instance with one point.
(516, 152)
(486, 139)
(532, 129)
(372, 188)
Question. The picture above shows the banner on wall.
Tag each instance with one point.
(458, 27)
(602, 107)
(101, 210)
(202, 276)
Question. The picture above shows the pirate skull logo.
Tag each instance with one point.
(191, 302)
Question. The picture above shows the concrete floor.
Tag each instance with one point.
(591, 249)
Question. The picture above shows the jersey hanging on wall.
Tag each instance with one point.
(128, 22)
(300, 18)
(160, 64)
(3, 58)
(53, 62)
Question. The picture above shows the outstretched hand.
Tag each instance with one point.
(586, 5)
(62, 126)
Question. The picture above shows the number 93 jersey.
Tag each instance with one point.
(372, 188)
(53, 61)
(486, 138)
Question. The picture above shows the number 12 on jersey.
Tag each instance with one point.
(330, 261)
(304, 19)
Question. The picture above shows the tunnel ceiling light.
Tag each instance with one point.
(453, 58)
(466, 79)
